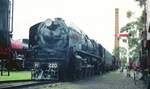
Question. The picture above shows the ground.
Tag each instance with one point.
(16, 75)
(111, 80)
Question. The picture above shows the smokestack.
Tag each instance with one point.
(116, 27)
(117, 31)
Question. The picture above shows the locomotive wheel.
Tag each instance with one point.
(83, 73)
(12, 64)
(89, 72)
(86, 72)
(76, 75)
(63, 75)
(73, 76)
(92, 71)
(80, 74)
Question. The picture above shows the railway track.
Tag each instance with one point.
(22, 84)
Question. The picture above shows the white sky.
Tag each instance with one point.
(94, 17)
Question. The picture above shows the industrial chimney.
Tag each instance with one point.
(117, 32)
(116, 27)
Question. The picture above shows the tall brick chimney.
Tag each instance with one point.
(116, 27)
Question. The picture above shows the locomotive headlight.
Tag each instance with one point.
(48, 22)
(50, 65)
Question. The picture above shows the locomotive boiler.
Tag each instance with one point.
(60, 52)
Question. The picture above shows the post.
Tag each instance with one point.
(127, 51)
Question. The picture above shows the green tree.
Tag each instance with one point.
(116, 52)
(121, 53)
(129, 14)
(141, 2)
(134, 29)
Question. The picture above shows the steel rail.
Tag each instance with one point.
(24, 83)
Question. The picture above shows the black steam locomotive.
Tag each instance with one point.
(59, 52)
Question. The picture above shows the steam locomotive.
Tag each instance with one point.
(60, 52)
(6, 29)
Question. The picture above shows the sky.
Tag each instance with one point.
(94, 17)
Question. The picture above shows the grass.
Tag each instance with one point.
(16, 75)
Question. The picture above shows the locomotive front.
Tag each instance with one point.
(48, 45)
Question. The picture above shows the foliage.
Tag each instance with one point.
(141, 2)
(129, 14)
(120, 52)
(134, 29)
(134, 25)
(116, 52)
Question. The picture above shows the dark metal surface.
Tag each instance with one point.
(4, 24)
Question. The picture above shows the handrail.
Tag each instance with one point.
(12, 8)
